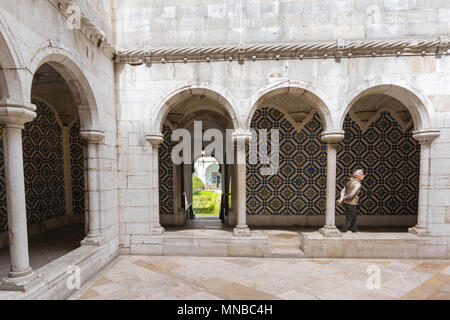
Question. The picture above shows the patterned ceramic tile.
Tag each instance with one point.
(390, 157)
(44, 169)
(166, 174)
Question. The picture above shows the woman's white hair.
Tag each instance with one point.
(358, 172)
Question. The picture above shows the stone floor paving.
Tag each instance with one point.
(176, 278)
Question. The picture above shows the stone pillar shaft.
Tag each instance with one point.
(242, 186)
(424, 185)
(155, 205)
(241, 230)
(331, 186)
(155, 140)
(94, 139)
(93, 191)
(13, 116)
(425, 138)
(332, 139)
(15, 194)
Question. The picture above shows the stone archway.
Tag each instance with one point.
(15, 111)
(305, 90)
(66, 66)
(179, 111)
(385, 123)
(91, 130)
(295, 193)
(12, 89)
(418, 105)
(216, 94)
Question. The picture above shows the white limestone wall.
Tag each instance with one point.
(141, 89)
(219, 22)
(32, 24)
(100, 13)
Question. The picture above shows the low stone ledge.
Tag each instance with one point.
(363, 245)
(202, 243)
(53, 277)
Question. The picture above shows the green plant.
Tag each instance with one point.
(205, 202)
(197, 185)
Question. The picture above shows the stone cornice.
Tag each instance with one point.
(87, 28)
(339, 49)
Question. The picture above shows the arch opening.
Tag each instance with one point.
(379, 139)
(398, 96)
(176, 181)
(298, 188)
(175, 106)
(61, 67)
(54, 169)
(207, 188)
(10, 61)
(296, 101)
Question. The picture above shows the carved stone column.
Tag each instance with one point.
(13, 116)
(425, 138)
(94, 138)
(155, 140)
(332, 139)
(241, 137)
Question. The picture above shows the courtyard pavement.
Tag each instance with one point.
(188, 278)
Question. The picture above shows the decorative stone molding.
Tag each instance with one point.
(15, 114)
(92, 32)
(155, 139)
(241, 135)
(303, 50)
(93, 136)
(333, 137)
(426, 135)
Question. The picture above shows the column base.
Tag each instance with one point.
(242, 231)
(330, 232)
(94, 241)
(22, 284)
(158, 231)
(420, 231)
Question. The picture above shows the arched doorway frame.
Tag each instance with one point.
(155, 137)
(65, 63)
(422, 113)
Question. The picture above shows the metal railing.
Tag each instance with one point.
(189, 211)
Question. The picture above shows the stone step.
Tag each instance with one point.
(285, 253)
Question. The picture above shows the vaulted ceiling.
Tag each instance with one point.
(49, 85)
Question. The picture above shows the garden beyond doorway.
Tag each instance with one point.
(207, 188)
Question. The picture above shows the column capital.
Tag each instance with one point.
(93, 136)
(242, 135)
(14, 114)
(155, 139)
(426, 136)
(333, 137)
